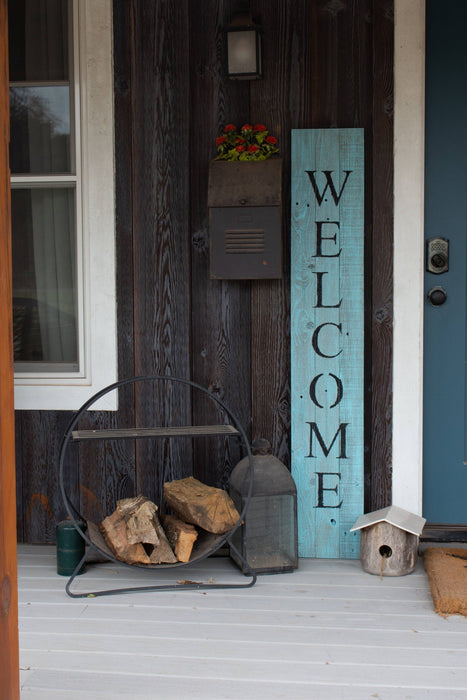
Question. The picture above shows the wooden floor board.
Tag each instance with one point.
(262, 590)
(328, 631)
(325, 670)
(300, 633)
(273, 606)
(321, 650)
(341, 600)
(208, 689)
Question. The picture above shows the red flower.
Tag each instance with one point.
(248, 143)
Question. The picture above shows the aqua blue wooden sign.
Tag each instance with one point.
(327, 314)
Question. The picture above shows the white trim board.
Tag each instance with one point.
(409, 180)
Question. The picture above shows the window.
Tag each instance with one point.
(62, 201)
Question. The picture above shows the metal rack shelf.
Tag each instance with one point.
(207, 543)
(174, 431)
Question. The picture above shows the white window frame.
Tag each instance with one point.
(95, 202)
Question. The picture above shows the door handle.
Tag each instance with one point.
(437, 296)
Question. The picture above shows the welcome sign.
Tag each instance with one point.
(327, 316)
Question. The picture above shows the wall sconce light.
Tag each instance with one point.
(244, 52)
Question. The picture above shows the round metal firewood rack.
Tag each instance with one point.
(208, 544)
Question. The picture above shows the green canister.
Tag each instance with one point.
(70, 547)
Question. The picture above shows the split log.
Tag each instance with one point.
(139, 513)
(115, 534)
(181, 536)
(210, 508)
(162, 553)
(154, 550)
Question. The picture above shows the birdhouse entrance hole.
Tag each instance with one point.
(385, 551)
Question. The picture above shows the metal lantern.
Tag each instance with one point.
(267, 539)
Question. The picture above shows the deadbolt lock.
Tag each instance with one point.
(437, 255)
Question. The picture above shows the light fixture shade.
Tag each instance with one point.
(244, 61)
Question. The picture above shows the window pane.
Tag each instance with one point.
(38, 40)
(44, 277)
(40, 129)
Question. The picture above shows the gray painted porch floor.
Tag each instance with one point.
(328, 631)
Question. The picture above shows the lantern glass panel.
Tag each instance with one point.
(267, 540)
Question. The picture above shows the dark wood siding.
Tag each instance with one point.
(327, 63)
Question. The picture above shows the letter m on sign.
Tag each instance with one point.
(327, 205)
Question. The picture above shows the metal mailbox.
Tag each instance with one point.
(244, 200)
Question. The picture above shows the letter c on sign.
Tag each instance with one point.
(314, 340)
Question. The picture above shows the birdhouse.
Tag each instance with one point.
(389, 541)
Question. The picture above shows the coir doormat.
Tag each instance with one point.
(447, 572)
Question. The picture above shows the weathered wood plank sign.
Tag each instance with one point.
(327, 338)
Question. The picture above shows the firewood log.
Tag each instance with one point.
(154, 550)
(115, 534)
(162, 553)
(181, 536)
(205, 506)
(138, 514)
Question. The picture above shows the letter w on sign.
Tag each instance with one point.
(327, 204)
(329, 184)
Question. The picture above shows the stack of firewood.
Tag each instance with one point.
(136, 533)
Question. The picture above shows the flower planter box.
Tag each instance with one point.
(245, 200)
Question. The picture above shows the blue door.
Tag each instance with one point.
(445, 405)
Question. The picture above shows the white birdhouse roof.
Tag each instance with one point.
(394, 515)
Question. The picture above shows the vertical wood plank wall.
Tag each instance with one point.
(326, 65)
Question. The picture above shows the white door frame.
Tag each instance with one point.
(409, 184)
